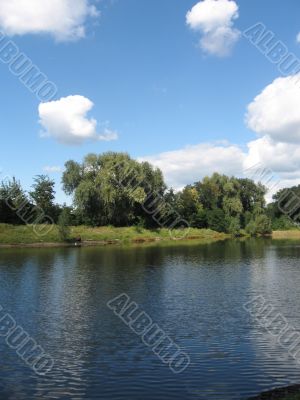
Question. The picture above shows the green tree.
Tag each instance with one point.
(252, 195)
(14, 204)
(112, 188)
(43, 195)
(216, 219)
(189, 205)
(234, 226)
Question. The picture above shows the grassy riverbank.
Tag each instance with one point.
(12, 235)
(26, 235)
(291, 234)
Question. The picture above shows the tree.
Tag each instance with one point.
(286, 203)
(232, 204)
(14, 205)
(43, 195)
(211, 191)
(112, 188)
(217, 220)
(234, 226)
(252, 194)
(189, 205)
(200, 219)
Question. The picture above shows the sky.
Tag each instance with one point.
(190, 86)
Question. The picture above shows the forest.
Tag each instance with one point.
(114, 189)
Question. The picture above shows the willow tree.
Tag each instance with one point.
(111, 188)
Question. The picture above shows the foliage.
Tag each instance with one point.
(43, 195)
(64, 222)
(283, 223)
(216, 220)
(112, 188)
(260, 225)
(24, 234)
(13, 202)
(234, 226)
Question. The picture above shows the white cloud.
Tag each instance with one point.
(279, 163)
(190, 164)
(63, 19)
(214, 20)
(66, 121)
(275, 115)
(276, 110)
(52, 169)
(298, 37)
(282, 158)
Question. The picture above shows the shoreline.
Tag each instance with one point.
(113, 242)
(286, 393)
(23, 236)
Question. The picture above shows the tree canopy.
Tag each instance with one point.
(114, 189)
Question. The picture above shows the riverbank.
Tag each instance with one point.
(288, 393)
(292, 234)
(26, 236)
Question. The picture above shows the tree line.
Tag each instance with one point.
(114, 189)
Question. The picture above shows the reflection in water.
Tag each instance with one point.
(194, 292)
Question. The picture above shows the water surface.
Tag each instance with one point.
(194, 292)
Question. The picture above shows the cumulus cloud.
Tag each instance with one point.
(283, 158)
(66, 121)
(63, 19)
(278, 163)
(273, 114)
(298, 37)
(214, 19)
(275, 111)
(190, 164)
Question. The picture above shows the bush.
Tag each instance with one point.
(261, 225)
(251, 228)
(282, 223)
(216, 220)
(64, 224)
(200, 220)
(234, 226)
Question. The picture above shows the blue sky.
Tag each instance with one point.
(151, 84)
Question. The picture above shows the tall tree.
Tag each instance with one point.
(43, 195)
(13, 202)
(112, 188)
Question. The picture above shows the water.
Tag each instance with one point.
(194, 292)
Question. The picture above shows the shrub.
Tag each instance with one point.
(261, 225)
(64, 224)
(234, 226)
(216, 220)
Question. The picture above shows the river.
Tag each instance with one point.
(195, 293)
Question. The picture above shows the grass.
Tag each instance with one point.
(28, 234)
(290, 234)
